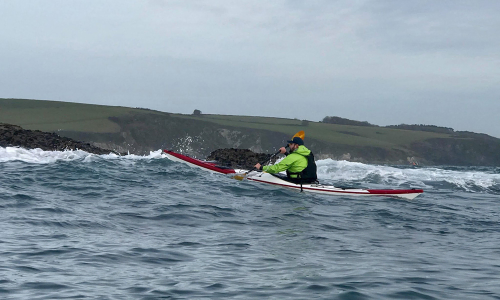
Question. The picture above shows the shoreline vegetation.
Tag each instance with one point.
(139, 130)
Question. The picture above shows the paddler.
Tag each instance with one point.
(299, 163)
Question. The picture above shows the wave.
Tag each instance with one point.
(39, 156)
(464, 178)
(470, 179)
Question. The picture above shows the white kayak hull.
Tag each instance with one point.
(318, 188)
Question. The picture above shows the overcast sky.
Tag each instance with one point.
(383, 61)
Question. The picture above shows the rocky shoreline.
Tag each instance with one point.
(239, 158)
(16, 136)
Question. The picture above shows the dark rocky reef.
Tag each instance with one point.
(239, 158)
(16, 136)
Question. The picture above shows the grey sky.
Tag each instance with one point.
(385, 61)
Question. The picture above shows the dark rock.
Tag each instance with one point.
(16, 136)
(239, 158)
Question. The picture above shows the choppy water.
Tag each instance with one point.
(76, 225)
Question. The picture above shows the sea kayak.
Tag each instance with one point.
(266, 178)
(318, 188)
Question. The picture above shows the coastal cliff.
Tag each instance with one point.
(139, 131)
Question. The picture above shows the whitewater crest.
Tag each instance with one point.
(465, 178)
(39, 156)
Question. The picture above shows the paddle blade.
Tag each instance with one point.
(301, 134)
(239, 176)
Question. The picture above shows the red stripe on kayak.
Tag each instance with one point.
(200, 163)
(384, 192)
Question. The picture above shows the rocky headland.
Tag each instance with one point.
(16, 136)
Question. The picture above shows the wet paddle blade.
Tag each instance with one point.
(239, 176)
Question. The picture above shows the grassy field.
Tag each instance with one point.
(54, 116)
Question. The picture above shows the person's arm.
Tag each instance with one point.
(282, 151)
(281, 166)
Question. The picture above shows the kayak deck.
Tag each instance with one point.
(318, 188)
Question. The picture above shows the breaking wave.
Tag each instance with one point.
(469, 179)
(39, 156)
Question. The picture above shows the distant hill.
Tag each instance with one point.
(142, 130)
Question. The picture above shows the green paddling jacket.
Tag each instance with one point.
(295, 162)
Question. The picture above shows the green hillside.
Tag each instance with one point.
(330, 133)
(54, 115)
(141, 130)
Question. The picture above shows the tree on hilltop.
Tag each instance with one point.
(343, 121)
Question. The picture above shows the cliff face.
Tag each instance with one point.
(141, 134)
(474, 150)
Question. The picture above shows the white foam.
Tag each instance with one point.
(152, 155)
(353, 171)
(39, 156)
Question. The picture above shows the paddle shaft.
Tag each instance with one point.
(300, 134)
(265, 162)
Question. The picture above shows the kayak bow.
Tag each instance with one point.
(206, 165)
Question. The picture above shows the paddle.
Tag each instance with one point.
(299, 134)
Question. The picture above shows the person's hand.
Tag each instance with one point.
(257, 166)
(282, 150)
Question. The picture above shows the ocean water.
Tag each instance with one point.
(81, 226)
